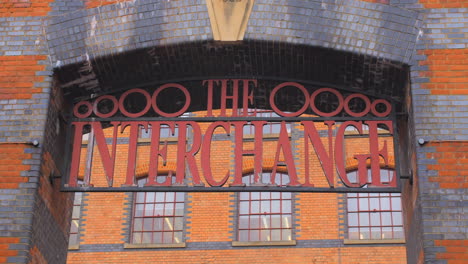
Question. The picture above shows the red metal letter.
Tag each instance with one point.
(283, 143)
(339, 152)
(188, 155)
(108, 161)
(155, 152)
(239, 151)
(132, 150)
(375, 153)
(206, 153)
(76, 153)
(326, 159)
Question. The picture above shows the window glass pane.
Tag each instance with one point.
(138, 224)
(157, 238)
(255, 196)
(265, 235)
(396, 203)
(275, 206)
(353, 233)
(375, 233)
(170, 197)
(74, 226)
(179, 210)
(286, 234)
(76, 212)
(147, 224)
(178, 223)
(286, 206)
(287, 221)
(244, 207)
(139, 210)
(169, 210)
(254, 235)
(255, 209)
(275, 195)
(352, 205)
(244, 195)
(398, 232)
(136, 238)
(150, 197)
(265, 222)
(140, 197)
(254, 222)
(386, 219)
(397, 219)
(387, 232)
(73, 239)
(265, 195)
(385, 203)
(180, 197)
(276, 235)
(276, 221)
(168, 237)
(160, 197)
(157, 224)
(168, 223)
(375, 219)
(364, 233)
(374, 204)
(244, 222)
(149, 209)
(159, 209)
(286, 195)
(363, 205)
(147, 238)
(265, 207)
(177, 237)
(243, 235)
(353, 219)
(364, 219)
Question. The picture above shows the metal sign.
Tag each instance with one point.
(115, 140)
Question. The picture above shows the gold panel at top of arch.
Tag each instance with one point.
(229, 18)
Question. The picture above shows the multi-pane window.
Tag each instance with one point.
(75, 222)
(375, 215)
(158, 217)
(265, 216)
(270, 128)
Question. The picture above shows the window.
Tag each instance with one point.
(375, 215)
(75, 222)
(265, 216)
(270, 128)
(158, 217)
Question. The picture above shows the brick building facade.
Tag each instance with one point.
(56, 53)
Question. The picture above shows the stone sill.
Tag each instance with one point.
(74, 247)
(373, 241)
(177, 245)
(263, 243)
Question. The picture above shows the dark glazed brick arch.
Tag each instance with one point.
(151, 67)
(379, 30)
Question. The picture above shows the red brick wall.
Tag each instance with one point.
(448, 71)
(18, 75)
(21, 8)
(444, 3)
(456, 251)
(452, 164)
